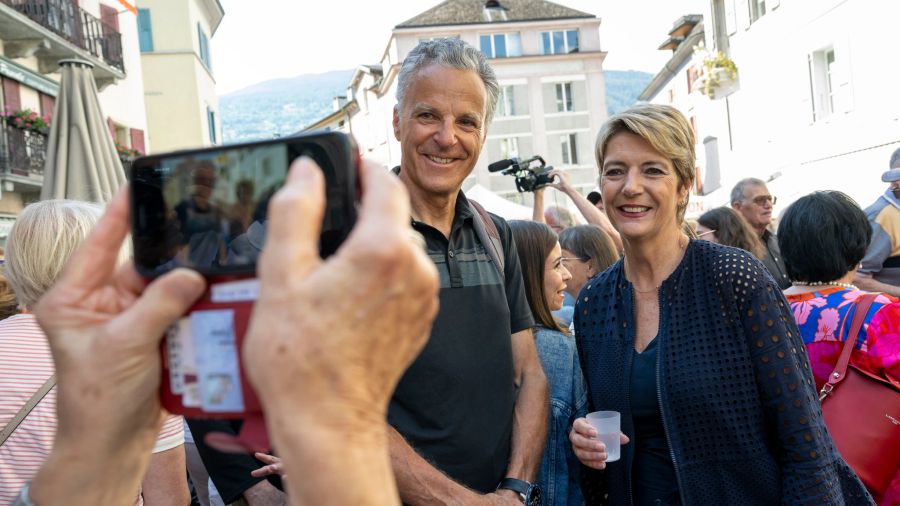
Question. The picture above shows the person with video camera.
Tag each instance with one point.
(324, 381)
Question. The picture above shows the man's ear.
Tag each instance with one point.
(396, 122)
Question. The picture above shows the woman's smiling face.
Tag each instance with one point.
(640, 187)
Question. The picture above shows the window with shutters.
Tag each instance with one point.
(211, 125)
(203, 42)
(145, 31)
(829, 84)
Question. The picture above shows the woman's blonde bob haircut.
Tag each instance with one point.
(41, 241)
(666, 129)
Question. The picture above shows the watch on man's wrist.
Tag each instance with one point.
(529, 492)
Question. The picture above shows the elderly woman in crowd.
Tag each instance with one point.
(693, 343)
(823, 237)
(724, 225)
(45, 234)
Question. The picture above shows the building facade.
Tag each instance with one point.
(814, 104)
(176, 59)
(34, 36)
(549, 64)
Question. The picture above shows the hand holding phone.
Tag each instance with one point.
(207, 210)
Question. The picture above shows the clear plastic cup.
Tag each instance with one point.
(608, 425)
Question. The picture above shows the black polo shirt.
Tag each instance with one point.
(455, 403)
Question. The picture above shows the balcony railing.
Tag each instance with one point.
(66, 19)
(22, 152)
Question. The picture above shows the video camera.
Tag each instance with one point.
(528, 179)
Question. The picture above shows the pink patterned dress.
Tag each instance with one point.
(824, 319)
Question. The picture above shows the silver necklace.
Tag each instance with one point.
(848, 286)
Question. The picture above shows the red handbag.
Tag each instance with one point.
(864, 421)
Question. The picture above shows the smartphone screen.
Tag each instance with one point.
(207, 209)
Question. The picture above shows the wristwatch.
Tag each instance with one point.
(530, 493)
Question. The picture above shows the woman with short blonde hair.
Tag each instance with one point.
(694, 345)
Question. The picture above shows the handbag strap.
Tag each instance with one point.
(23, 412)
(863, 303)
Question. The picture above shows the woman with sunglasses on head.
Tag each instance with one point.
(723, 225)
(546, 279)
(693, 343)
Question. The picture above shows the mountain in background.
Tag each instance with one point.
(623, 88)
(284, 106)
(280, 106)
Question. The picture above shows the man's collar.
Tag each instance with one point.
(889, 196)
(462, 209)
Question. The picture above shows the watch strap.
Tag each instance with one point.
(516, 485)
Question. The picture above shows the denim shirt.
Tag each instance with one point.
(559, 475)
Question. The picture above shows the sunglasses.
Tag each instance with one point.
(762, 199)
(701, 234)
(569, 259)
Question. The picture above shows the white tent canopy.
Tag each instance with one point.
(498, 205)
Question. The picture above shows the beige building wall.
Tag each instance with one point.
(167, 81)
(177, 84)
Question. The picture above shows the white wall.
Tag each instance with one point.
(772, 127)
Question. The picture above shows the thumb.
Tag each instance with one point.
(162, 302)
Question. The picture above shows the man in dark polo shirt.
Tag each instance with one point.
(472, 409)
(752, 199)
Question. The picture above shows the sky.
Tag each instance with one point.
(258, 41)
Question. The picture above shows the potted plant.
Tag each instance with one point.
(26, 119)
(126, 153)
(717, 73)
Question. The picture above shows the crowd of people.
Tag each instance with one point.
(457, 355)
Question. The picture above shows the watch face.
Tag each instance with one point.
(533, 497)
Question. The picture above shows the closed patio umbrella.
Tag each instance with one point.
(81, 162)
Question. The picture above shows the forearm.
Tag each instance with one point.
(594, 216)
(870, 284)
(79, 472)
(165, 481)
(418, 481)
(530, 419)
(537, 213)
(350, 462)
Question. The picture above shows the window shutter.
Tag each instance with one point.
(47, 105)
(109, 16)
(843, 92)
(145, 30)
(743, 14)
(11, 98)
(137, 140)
(730, 17)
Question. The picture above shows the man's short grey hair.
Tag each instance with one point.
(453, 53)
(737, 193)
(895, 159)
(44, 236)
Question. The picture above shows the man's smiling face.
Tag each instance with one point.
(441, 129)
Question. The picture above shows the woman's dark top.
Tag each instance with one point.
(736, 393)
(652, 471)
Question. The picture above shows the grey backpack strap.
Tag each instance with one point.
(36, 398)
(487, 233)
